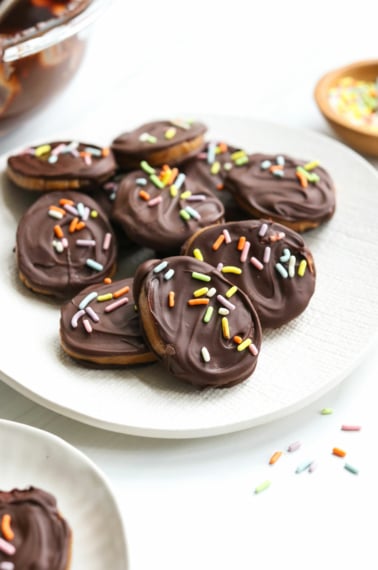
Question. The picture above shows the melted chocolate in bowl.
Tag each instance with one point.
(29, 80)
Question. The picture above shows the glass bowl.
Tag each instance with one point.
(39, 60)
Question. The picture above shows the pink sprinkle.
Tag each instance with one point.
(85, 214)
(350, 428)
(154, 201)
(267, 252)
(107, 241)
(55, 151)
(71, 209)
(7, 547)
(225, 302)
(219, 266)
(112, 306)
(313, 465)
(227, 237)
(263, 230)
(76, 317)
(94, 316)
(87, 325)
(245, 250)
(85, 242)
(294, 446)
(257, 263)
(253, 349)
(196, 198)
(64, 242)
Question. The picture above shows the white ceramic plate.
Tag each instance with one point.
(30, 456)
(297, 364)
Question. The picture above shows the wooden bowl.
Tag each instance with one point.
(358, 137)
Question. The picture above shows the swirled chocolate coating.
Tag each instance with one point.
(42, 537)
(159, 142)
(156, 218)
(210, 167)
(265, 260)
(51, 256)
(114, 335)
(61, 164)
(195, 342)
(264, 187)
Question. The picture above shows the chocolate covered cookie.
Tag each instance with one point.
(268, 261)
(203, 329)
(297, 193)
(68, 165)
(159, 142)
(34, 534)
(101, 325)
(160, 208)
(64, 243)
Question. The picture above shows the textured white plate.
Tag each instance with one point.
(298, 362)
(30, 456)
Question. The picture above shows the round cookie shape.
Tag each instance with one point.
(159, 142)
(268, 261)
(204, 330)
(101, 325)
(161, 208)
(61, 165)
(296, 193)
(211, 166)
(64, 242)
(42, 538)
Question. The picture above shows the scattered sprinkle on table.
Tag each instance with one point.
(356, 101)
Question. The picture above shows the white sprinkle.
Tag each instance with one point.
(267, 252)
(263, 229)
(205, 354)
(7, 547)
(211, 292)
(227, 237)
(87, 299)
(281, 270)
(220, 266)
(180, 180)
(54, 214)
(223, 311)
(160, 267)
(170, 273)
(291, 268)
(94, 264)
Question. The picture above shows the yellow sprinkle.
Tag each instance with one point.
(170, 133)
(185, 195)
(215, 167)
(94, 214)
(311, 165)
(197, 253)
(105, 297)
(43, 149)
(231, 291)
(231, 269)
(302, 268)
(243, 345)
(200, 292)
(225, 328)
(238, 154)
(173, 191)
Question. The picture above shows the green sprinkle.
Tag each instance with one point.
(208, 314)
(156, 181)
(262, 487)
(146, 167)
(326, 411)
(242, 160)
(351, 469)
(185, 215)
(201, 276)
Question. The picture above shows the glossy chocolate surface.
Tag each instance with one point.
(42, 537)
(64, 160)
(264, 258)
(156, 217)
(181, 331)
(56, 260)
(114, 331)
(278, 193)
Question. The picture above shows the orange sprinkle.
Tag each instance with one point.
(220, 186)
(200, 301)
(105, 151)
(121, 292)
(241, 243)
(275, 167)
(171, 299)
(339, 452)
(238, 339)
(58, 231)
(222, 147)
(108, 280)
(218, 242)
(302, 179)
(56, 209)
(275, 457)
(144, 195)
(73, 224)
(79, 226)
(6, 527)
(64, 202)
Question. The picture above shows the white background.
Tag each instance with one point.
(190, 504)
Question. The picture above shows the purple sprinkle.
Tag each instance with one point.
(93, 315)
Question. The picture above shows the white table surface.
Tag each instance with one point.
(190, 503)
